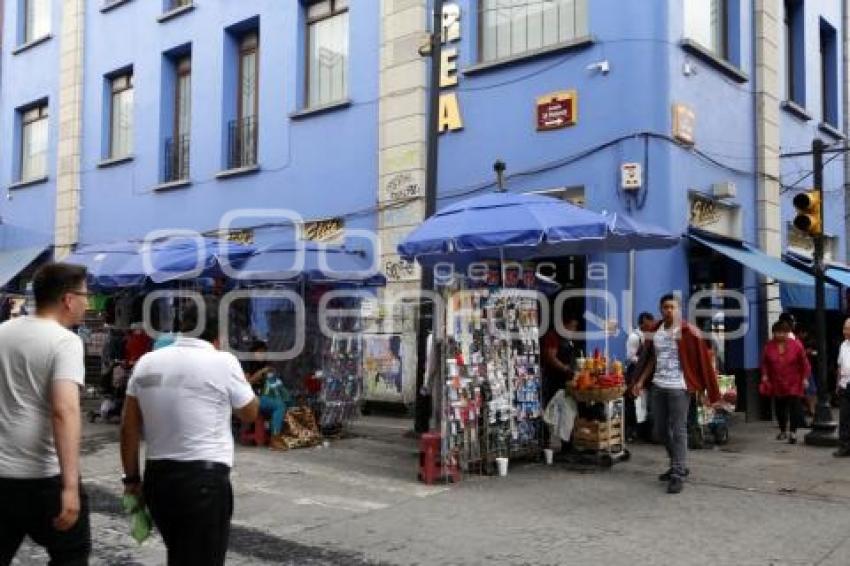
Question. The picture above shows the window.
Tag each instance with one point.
(707, 23)
(794, 54)
(121, 116)
(36, 19)
(327, 52)
(177, 147)
(174, 4)
(829, 74)
(242, 133)
(515, 27)
(33, 143)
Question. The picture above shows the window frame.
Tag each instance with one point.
(790, 44)
(724, 51)
(182, 69)
(42, 114)
(795, 60)
(113, 93)
(481, 60)
(29, 5)
(249, 44)
(309, 22)
(829, 89)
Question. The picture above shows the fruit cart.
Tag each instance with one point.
(599, 433)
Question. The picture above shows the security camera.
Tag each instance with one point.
(604, 67)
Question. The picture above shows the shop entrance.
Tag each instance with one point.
(711, 271)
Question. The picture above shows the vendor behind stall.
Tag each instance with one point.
(274, 397)
(559, 355)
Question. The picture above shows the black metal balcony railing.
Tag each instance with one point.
(176, 159)
(242, 143)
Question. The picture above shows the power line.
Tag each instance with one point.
(794, 186)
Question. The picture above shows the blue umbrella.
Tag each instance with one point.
(312, 262)
(102, 261)
(132, 264)
(524, 226)
(627, 234)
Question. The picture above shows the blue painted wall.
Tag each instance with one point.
(642, 44)
(326, 165)
(303, 168)
(28, 76)
(797, 133)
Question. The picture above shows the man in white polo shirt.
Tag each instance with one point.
(183, 397)
(41, 372)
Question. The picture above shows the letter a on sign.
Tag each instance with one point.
(450, 119)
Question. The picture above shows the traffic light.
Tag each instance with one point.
(808, 217)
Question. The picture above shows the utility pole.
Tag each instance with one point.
(823, 427)
(426, 307)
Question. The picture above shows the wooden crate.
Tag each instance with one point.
(614, 444)
(598, 428)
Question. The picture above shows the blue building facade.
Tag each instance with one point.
(633, 66)
(322, 165)
(674, 86)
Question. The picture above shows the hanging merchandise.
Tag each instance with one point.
(491, 405)
(341, 383)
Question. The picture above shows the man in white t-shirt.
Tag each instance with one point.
(843, 380)
(183, 397)
(634, 347)
(42, 369)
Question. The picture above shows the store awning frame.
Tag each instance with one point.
(756, 260)
(13, 262)
(836, 273)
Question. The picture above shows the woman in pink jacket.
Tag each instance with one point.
(785, 368)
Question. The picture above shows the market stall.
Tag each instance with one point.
(327, 368)
(491, 402)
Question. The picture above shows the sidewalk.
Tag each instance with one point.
(755, 502)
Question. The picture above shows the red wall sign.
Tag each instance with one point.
(556, 111)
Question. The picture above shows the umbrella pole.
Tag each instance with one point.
(607, 313)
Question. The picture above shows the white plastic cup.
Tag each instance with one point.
(326, 443)
(549, 455)
(502, 464)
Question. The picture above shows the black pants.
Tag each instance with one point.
(27, 508)
(671, 425)
(844, 417)
(786, 405)
(191, 504)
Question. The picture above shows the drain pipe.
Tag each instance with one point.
(845, 83)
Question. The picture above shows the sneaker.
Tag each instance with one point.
(668, 475)
(676, 485)
(842, 452)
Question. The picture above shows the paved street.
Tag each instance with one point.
(757, 502)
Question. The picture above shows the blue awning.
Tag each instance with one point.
(758, 261)
(803, 297)
(12, 262)
(839, 275)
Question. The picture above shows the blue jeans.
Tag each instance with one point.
(275, 409)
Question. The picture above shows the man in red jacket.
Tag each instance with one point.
(678, 364)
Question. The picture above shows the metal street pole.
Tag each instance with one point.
(426, 307)
(823, 427)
